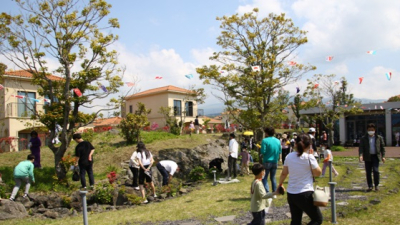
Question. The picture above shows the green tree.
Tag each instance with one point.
(170, 120)
(338, 100)
(255, 98)
(69, 32)
(134, 123)
(395, 98)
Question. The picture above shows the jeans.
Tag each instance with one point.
(135, 172)
(232, 166)
(89, 169)
(164, 174)
(18, 182)
(270, 169)
(258, 218)
(303, 202)
(372, 166)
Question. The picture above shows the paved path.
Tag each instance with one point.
(391, 152)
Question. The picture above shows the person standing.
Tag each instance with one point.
(145, 162)
(191, 128)
(84, 159)
(233, 154)
(397, 136)
(197, 124)
(285, 145)
(311, 133)
(34, 145)
(167, 169)
(270, 150)
(302, 167)
(328, 157)
(134, 167)
(23, 172)
(371, 151)
(244, 166)
(324, 138)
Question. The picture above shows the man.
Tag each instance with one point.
(197, 124)
(167, 169)
(23, 172)
(371, 151)
(216, 164)
(324, 138)
(233, 154)
(270, 149)
(84, 159)
(293, 141)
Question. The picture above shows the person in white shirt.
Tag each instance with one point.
(302, 167)
(134, 167)
(167, 169)
(328, 157)
(145, 162)
(233, 154)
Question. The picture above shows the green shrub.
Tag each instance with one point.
(198, 173)
(151, 136)
(255, 156)
(134, 199)
(66, 201)
(103, 193)
(88, 135)
(338, 148)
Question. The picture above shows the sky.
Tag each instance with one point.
(172, 38)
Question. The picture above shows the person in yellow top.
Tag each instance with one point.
(259, 195)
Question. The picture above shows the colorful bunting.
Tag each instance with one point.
(35, 100)
(222, 72)
(361, 79)
(255, 68)
(102, 87)
(372, 52)
(376, 107)
(18, 96)
(292, 63)
(47, 100)
(158, 78)
(336, 83)
(78, 92)
(297, 90)
(381, 107)
(329, 58)
(130, 84)
(189, 76)
(316, 86)
(389, 75)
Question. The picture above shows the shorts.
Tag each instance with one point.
(143, 176)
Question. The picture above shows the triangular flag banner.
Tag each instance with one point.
(47, 100)
(361, 79)
(336, 82)
(102, 87)
(316, 86)
(78, 92)
(18, 96)
(35, 100)
(297, 90)
(372, 52)
(329, 58)
(375, 107)
(255, 68)
(189, 76)
(389, 75)
(222, 72)
(130, 84)
(292, 63)
(381, 107)
(158, 78)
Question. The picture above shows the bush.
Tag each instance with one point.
(337, 148)
(149, 137)
(88, 135)
(103, 194)
(198, 173)
(254, 154)
(134, 199)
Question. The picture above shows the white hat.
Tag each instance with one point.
(294, 133)
(311, 130)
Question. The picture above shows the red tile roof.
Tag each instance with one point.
(27, 74)
(168, 88)
(113, 121)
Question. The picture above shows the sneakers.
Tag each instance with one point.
(229, 178)
(155, 196)
(136, 188)
(25, 195)
(274, 196)
(11, 199)
(322, 176)
(145, 202)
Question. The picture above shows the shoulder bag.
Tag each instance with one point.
(320, 196)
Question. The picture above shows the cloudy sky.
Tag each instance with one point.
(172, 38)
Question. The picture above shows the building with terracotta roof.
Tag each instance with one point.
(20, 100)
(183, 106)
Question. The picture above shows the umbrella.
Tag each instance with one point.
(248, 133)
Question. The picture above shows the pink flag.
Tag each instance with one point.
(361, 79)
(78, 92)
(158, 78)
(316, 86)
(329, 58)
(130, 84)
(47, 100)
(375, 107)
(255, 68)
(18, 96)
(381, 107)
(292, 63)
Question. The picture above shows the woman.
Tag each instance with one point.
(302, 166)
(134, 167)
(34, 145)
(145, 163)
(285, 144)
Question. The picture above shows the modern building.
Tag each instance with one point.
(183, 106)
(19, 101)
(350, 128)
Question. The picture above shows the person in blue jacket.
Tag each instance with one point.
(23, 172)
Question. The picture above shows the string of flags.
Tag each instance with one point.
(361, 79)
(189, 76)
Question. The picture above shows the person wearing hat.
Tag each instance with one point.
(233, 154)
(311, 133)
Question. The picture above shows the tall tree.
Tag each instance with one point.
(69, 32)
(255, 97)
(331, 100)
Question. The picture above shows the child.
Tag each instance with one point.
(245, 161)
(328, 158)
(23, 172)
(258, 195)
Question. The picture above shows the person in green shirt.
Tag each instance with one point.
(271, 149)
(23, 172)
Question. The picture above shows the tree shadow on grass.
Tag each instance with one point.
(239, 199)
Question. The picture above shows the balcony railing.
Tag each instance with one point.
(22, 110)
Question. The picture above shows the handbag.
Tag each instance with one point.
(320, 196)
(75, 175)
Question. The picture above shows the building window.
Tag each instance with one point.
(189, 108)
(177, 107)
(130, 109)
(26, 105)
